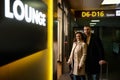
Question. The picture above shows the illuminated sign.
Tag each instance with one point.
(93, 13)
(23, 29)
(117, 12)
(97, 13)
(29, 14)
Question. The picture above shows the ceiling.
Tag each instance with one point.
(81, 5)
(91, 4)
(85, 4)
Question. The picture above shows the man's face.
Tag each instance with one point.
(87, 30)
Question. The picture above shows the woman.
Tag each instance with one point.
(78, 56)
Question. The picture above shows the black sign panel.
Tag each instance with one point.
(21, 35)
(97, 13)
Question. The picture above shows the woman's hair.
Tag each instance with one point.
(82, 37)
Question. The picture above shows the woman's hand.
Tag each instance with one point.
(79, 67)
(68, 62)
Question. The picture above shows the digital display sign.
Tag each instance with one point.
(97, 13)
(92, 14)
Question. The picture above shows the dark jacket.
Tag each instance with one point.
(95, 52)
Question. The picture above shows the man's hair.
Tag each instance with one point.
(87, 26)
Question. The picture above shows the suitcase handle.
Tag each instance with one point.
(106, 72)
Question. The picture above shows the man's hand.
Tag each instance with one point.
(102, 62)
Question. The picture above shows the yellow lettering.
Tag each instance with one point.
(88, 14)
(83, 14)
(94, 14)
(102, 14)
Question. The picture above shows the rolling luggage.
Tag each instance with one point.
(104, 72)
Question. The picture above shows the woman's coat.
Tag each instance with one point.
(78, 56)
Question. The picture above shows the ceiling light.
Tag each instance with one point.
(92, 23)
(111, 2)
(95, 20)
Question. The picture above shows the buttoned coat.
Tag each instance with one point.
(78, 56)
(95, 53)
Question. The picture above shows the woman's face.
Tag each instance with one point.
(78, 37)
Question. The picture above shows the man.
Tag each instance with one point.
(95, 54)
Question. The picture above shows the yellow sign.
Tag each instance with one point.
(93, 14)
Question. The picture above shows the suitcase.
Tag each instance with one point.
(104, 72)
